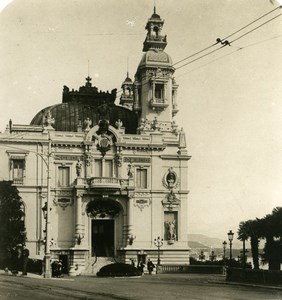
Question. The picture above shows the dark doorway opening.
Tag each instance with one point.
(103, 238)
(65, 263)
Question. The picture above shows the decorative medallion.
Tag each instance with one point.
(104, 144)
(170, 179)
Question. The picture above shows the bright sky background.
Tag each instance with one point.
(230, 107)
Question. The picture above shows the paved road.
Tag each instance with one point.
(156, 287)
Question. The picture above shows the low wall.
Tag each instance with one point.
(194, 269)
(254, 276)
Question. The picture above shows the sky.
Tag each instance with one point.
(230, 100)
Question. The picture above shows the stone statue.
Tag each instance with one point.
(87, 123)
(130, 171)
(118, 124)
(171, 230)
(78, 168)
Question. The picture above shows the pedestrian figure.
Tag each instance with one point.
(25, 255)
(150, 266)
(55, 268)
(15, 260)
(141, 266)
(132, 262)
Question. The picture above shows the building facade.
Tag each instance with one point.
(112, 179)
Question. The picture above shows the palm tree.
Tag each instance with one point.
(272, 232)
(250, 229)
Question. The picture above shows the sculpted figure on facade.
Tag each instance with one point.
(118, 124)
(130, 171)
(87, 123)
(78, 168)
(171, 230)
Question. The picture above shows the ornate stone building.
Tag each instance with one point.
(112, 178)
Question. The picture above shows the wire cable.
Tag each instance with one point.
(255, 28)
(222, 40)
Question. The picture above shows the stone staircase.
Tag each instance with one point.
(94, 264)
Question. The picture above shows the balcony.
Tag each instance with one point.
(104, 183)
(159, 103)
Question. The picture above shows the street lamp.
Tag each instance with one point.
(159, 242)
(202, 256)
(230, 235)
(212, 256)
(47, 256)
(46, 213)
(224, 250)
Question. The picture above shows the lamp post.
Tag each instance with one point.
(202, 256)
(159, 242)
(212, 256)
(230, 235)
(46, 213)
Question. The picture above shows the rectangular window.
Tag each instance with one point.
(18, 171)
(63, 176)
(159, 88)
(98, 168)
(108, 168)
(141, 178)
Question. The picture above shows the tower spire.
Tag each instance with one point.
(154, 38)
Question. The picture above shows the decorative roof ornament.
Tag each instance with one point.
(182, 139)
(48, 121)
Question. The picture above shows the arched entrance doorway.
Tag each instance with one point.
(103, 238)
(103, 215)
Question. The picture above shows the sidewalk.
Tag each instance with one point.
(32, 275)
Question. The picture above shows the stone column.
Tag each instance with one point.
(130, 235)
(79, 234)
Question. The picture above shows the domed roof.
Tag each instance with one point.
(68, 116)
(154, 56)
(85, 103)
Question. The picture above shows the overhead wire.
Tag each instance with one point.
(224, 39)
(229, 43)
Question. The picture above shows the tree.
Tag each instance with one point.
(272, 232)
(251, 229)
(269, 228)
(12, 229)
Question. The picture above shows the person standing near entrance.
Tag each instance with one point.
(25, 255)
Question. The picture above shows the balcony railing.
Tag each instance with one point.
(105, 182)
(18, 181)
(159, 103)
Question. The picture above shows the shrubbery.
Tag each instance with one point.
(118, 270)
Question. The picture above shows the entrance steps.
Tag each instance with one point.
(94, 264)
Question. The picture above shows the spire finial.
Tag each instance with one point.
(88, 67)
(154, 6)
(127, 67)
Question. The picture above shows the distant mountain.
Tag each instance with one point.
(197, 245)
(210, 242)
